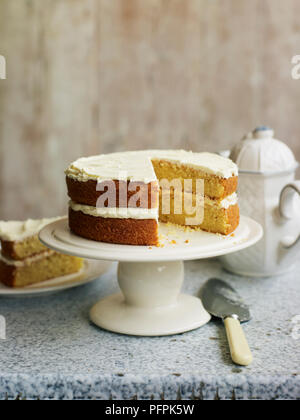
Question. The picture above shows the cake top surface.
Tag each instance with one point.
(137, 166)
(17, 231)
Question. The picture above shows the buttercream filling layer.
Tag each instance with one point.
(141, 213)
(227, 202)
(116, 212)
(27, 261)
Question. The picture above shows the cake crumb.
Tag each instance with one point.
(173, 242)
(187, 241)
(233, 235)
(150, 247)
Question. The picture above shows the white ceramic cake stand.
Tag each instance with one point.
(150, 278)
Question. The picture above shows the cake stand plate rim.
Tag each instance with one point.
(202, 245)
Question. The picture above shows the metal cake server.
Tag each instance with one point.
(222, 301)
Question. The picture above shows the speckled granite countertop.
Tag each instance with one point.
(53, 351)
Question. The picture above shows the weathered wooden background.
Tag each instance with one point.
(91, 76)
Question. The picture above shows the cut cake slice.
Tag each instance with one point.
(24, 260)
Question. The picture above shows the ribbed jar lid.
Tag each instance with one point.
(260, 152)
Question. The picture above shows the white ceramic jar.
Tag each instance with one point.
(269, 194)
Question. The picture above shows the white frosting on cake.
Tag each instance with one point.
(227, 202)
(116, 212)
(137, 166)
(27, 261)
(17, 231)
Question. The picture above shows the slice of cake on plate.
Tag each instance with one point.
(121, 197)
(24, 260)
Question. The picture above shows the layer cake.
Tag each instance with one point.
(121, 197)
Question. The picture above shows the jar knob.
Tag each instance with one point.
(263, 132)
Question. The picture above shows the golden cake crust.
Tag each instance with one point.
(8, 250)
(18, 251)
(233, 217)
(230, 186)
(86, 193)
(118, 231)
(7, 274)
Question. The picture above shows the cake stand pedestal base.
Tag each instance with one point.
(150, 303)
(150, 278)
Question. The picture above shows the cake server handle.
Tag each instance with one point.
(239, 348)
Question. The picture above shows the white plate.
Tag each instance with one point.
(179, 244)
(91, 271)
